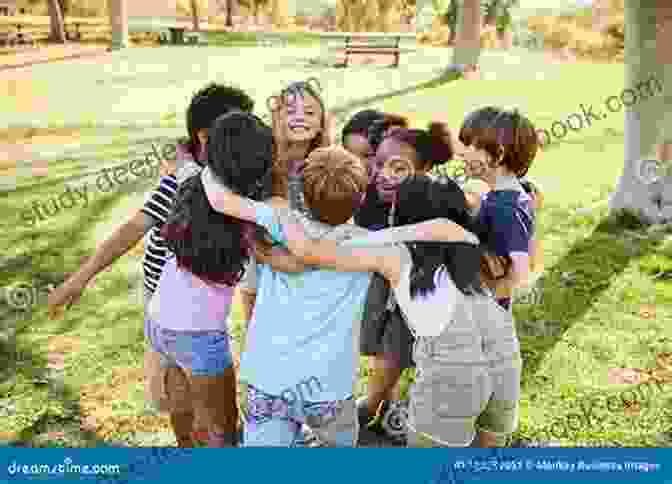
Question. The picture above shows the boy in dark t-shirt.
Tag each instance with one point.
(500, 146)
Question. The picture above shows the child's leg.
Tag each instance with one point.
(180, 405)
(207, 361)
(500, 417)
(383, 380)
(214, 397)
(388, 366)
(167, 388)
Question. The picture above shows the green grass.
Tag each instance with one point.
(239, 39)
(597, 277)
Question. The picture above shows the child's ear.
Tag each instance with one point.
(500, 155)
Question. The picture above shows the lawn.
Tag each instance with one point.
(597, 306)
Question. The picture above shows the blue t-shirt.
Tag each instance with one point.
(302, 325)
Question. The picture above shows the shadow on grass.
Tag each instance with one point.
(41, 265)
(594, 262)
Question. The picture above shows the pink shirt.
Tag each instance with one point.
(183, 302)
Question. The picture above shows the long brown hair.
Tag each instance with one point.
(281, 165)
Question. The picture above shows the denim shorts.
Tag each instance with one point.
(202, 353)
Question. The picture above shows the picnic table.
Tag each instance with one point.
(75, 34)
(168, 32)
(20, 38)
(373, 43)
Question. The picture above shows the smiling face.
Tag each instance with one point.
(304, 117)
(394, 162)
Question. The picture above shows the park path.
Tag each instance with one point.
(53, 53)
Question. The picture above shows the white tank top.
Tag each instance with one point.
(428, 314)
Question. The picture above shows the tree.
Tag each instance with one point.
(56, 24)
(645, 48)
(65, 7)
(118, 10)
(279, 14)
(229, 13)
(195, 14)
(468, 46)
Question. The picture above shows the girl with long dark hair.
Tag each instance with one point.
(187, 316)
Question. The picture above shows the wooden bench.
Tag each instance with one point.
(373, 44)
(23, 38)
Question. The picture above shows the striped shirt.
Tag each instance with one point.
(158, 206)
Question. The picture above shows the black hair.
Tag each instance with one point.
(211, 245)
(379, 128)
(360, 123)
(420, 199)
(475, 121)
(374, 212)
(433, 146)
(207, 104)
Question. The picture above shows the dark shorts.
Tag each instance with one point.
(384, 331)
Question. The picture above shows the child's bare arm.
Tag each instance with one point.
(279, 258)
(119, 243)
(327, 253)
(248, 299)
(224, 200)
(349, 258)
(436, 230)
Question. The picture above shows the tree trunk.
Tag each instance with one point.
(279, 13)
(468, 44)
(641, 188)
(195, 17)
(490, 18)
(118, 10)
(229, 13)
(57, 29)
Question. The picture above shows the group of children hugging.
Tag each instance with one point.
(336, 251)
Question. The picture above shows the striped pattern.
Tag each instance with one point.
(158, 206)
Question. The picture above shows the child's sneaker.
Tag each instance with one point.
(390, 422)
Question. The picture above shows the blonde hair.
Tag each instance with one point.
(334, 184)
